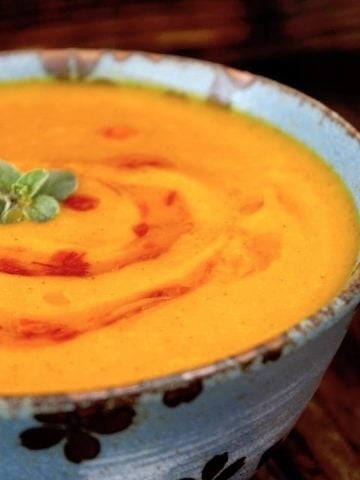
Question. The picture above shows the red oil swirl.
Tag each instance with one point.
(163, 218)
(159, 228)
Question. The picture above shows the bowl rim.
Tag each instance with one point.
(261, 353)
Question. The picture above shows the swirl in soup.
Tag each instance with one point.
(195, 234)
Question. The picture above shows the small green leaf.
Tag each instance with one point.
(42, 209)
(34, 195)
(18, 191)
(2, 206)
(30, 183)
(60, 184)
(8, 175)
(12, 215)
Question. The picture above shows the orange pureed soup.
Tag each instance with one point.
(196, 233)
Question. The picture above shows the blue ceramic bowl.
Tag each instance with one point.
(217, 422)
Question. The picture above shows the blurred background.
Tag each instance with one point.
(312, 45)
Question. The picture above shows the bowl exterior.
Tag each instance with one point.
(218, 422)
(228, 422)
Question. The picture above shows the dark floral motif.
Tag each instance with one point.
(186, 394)
(77, 429)
(216, 469)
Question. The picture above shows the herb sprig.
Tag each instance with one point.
(34, 195)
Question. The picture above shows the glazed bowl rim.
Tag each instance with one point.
(254, 357)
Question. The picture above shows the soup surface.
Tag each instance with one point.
(196, 233)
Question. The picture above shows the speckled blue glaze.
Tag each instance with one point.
(229, 413)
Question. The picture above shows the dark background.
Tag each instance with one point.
(313, 45)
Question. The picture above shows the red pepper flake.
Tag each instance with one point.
(82, 203)
(119, 133)
(169, 292)
(138, 160)
(170, 198)
(68, 263)
(12, 267)
(141, 229)
(157, 294)
(34, 329)
(61, 333)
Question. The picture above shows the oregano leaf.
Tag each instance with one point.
(34, 195)
(60, 184)
(2, 206)
(13, 214)
(30, 183)
(42, 209)
(8, 175)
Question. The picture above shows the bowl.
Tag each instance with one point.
(220, 421)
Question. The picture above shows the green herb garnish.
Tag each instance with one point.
(33, 195)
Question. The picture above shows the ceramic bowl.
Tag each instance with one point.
(217, 422)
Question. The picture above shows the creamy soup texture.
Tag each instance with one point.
(196, 233)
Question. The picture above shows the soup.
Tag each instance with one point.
(196, 233)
